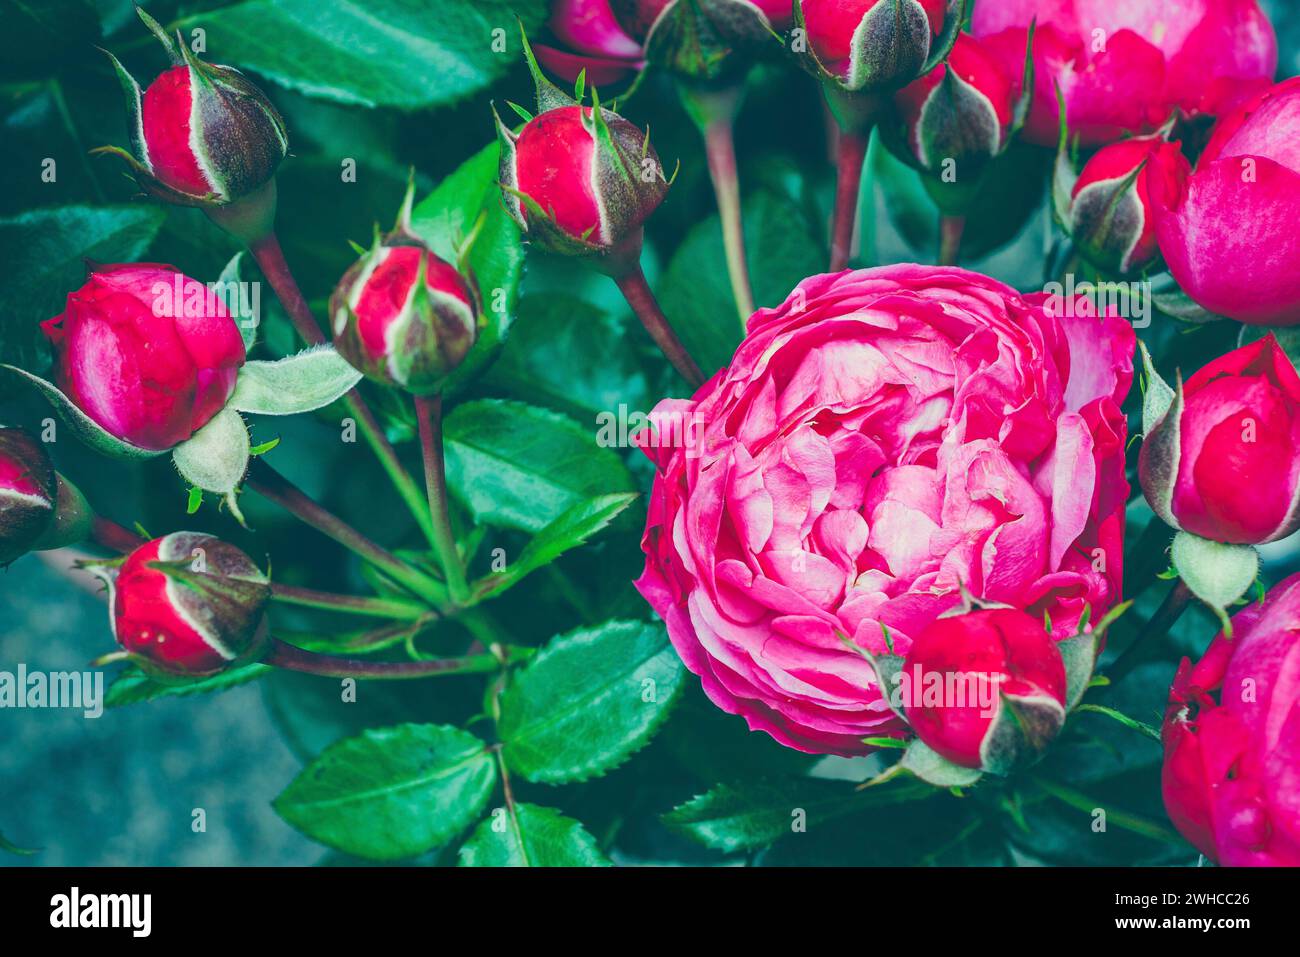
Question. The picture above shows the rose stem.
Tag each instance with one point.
(852, 154)
(274, 487)
(1130, 822)
(270, 257)
(950, 233)
(714, 110)
(1175, 603)
(284, 655)
(428, 413)
(391, 608)
(635, 289)
(114, 537)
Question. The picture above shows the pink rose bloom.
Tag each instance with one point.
(588, 37)
(1124, 66)
(1228, 230)
(882, 439)
(1231, 776)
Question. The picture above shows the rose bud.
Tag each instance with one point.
(1228, 230)
(578, 180)
(958, 117)
(702, 39)
(187, 604)
(146, 352)
(1232, 739)
(1109, 215)
(1124, 67)
(1224, 461)
(402, 315)
(985, 689)
(587, 37)
(865, 457)
(873, 46)
(39, 508)
(201, 134)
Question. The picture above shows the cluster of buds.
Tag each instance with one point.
(579, 180)
(203, 135)
(39, 508)
(403, 316)
(187, 605)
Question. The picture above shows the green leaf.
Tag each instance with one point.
(517, 466)
(301, 383)
(12, 848)
(371, 52)
(696, 294)
(588, 700)
(230, 285)
(738, 817)
(534, 837)
(569, 355)
(468, 203)
(133, 686)
(393, 792)
(571, 529)
(45, 253)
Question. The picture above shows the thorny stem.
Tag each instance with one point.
(389, 608)
(273, 486)
(632, 283)
(950, 233)
(428, 413)
(284, 655)
(270, 257)
(1175, 603)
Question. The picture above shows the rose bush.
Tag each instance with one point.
(882, 440)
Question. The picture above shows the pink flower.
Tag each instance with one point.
(187, 604)
(998, 688)
(882, 439)
(1225, 465)
(1123, 66)
(589, 38)
(1228, 231)
(1231, 776)
(146, 352)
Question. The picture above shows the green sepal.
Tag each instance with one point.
(83, 426)
(1218, 574)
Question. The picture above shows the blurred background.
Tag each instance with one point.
(122, 789)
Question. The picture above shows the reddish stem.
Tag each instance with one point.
(636, 291)
(950, 233)
(852, 155)
(114, 537)
(283, 655)
(428, 413)
(720, 148)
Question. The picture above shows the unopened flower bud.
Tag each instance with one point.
(187, 605)
(702, 39)
(579, 180)
(1110, 217)
(985, 689)
(402, 315)
(873, 46)
(28, 493)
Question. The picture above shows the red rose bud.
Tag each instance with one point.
(873, 45)
(578, 180)
(1228, 230)
(985, 689)
(187, 604)
(587, 38)
(402, 315)
(201, 134)
(146, 352)
(1223, 462)
(962, 111)
(1110, 217)
(1232, 739)
(28, 493)
(702, 39)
